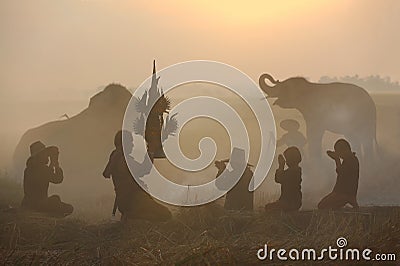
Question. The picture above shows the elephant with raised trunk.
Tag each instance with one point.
(340, 108)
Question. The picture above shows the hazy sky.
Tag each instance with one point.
(55, 54)
(68, 48)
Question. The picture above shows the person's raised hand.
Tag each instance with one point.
(333, 155)
(281, 160)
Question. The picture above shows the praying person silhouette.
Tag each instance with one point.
(290, 180)
(42, 168)
(347, 169)
(239, 197)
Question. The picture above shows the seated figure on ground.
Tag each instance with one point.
(38, 174)
(347, 169)
(290, 180)
(239, 197)
(131, 200)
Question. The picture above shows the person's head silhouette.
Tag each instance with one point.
(127, 139)
(292, 156)
(342, 148)
(238, 159)
(39, 152)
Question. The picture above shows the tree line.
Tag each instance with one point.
(370, 83)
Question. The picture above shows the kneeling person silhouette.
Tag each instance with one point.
(239, 197)
(38, 174)
(290, 180)
(347, 169)
(131, 200)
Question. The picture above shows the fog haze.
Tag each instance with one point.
(55, 55)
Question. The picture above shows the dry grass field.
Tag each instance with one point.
(199, 236)
(205, 235)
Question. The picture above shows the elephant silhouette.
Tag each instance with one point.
(340, 108)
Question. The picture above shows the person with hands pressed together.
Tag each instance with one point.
(290, 180)
(38, 174)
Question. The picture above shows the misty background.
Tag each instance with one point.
(55, 55)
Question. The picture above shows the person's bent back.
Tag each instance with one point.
(347, 169)
(131, 199)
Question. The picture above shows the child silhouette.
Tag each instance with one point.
(290, 180)
(347, 169)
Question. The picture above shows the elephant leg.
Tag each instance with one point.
(362, 145)
(363, 148)
(369, 159)
(314, 166)
(355, 144)
(368, 150)
(314, 138)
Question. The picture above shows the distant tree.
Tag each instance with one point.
(370, 83)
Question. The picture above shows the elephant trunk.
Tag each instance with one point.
(269, 90)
